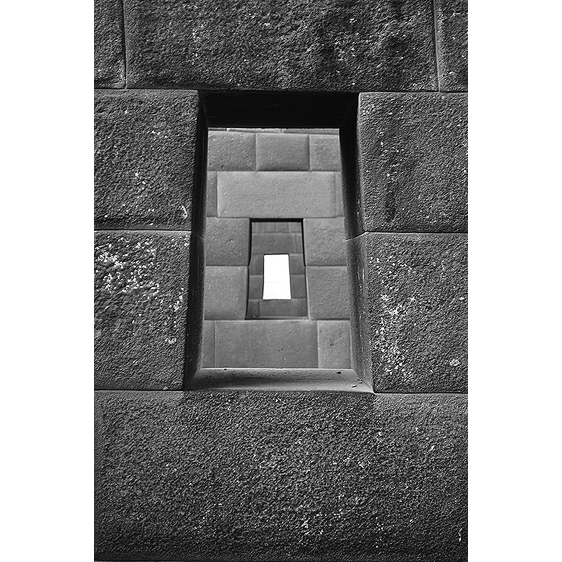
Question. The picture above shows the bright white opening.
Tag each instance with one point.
(276, 277)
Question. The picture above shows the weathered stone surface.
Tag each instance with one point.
(413, 162)
(230, 150)
(325, 153)
(328, 293)
(333, 344)
(208, 348)
(364, 46)
(211, 194)
(145, 158)
(276, 195)
(315, 476)
(109, 59)
(414, 311)
(227, 241)
(282, 152)
(324, 241)
(225, 292)
(452, 43)
(266, 343)
(141, 282)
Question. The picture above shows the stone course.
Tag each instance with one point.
(285, 476)
(301, 46)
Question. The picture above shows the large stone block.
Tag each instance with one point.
(281, 152)
(141, 294)
(334, 344)
(414, 311)
(325, 153)
(276, 195)
(266, 343)
(109, 58)
(227, 241)
(328, 292)
(226, 292)
(413, 162)
(324, 241)
(145, 158)
(285, 476)
(452, 41)
(230, 150)
(333, 46)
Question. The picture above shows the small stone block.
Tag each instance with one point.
(255, 290)
(227, 241)
(225, 292)
(339, 195)
(334, 344)
(211, 194)
(276, 194)
(267, 343)
(325, 153)
(282, 152)
(256, 265)
(298, 286)
(296, 264)
(324, 241)
(328, 294)
(281, 308)
(208, 348)
(231, 151)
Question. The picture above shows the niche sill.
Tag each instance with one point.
(322, 380)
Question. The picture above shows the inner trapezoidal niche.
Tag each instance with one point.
(276, 293)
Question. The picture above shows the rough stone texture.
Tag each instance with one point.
(227, 241)
(328, 293)
(225, 292)
(145, 158)
(413, 162)
(231, 151)
(276, 195)
(452, 43)
(282, 152)
(325, 153)
(324, 241)
(109, 59)
(414, 322)
(208, 348)
(141, 284)
(211, 194)
(295, 45)
(333, 344)
(266, 343)
(261, 476)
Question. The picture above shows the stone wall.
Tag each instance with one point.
(260, 474)
(262, 174)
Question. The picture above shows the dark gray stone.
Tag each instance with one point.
(109, 59)
(413, 311)
(284, 476)
(272, 344)
(227, 241)
(298, 46)
(413, 162)
(141, 282)
(145, 159)
(452, 44)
